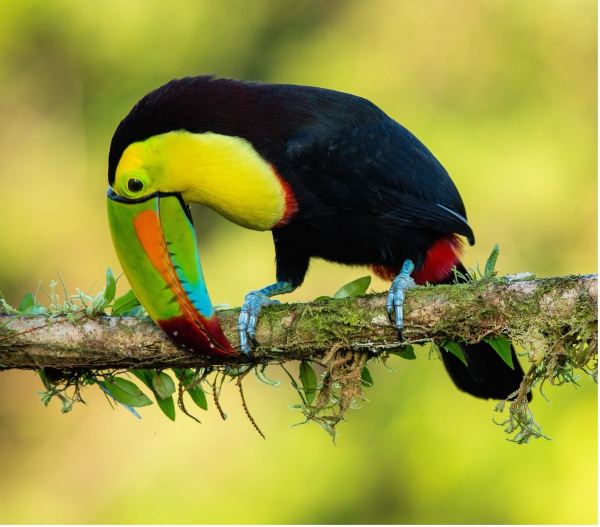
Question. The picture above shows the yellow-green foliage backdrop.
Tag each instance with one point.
(503, 92)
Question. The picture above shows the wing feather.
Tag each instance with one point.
(380, 167)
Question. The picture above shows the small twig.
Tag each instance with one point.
(181, 404)
(248, 414)
(294, 384)
(216, 399)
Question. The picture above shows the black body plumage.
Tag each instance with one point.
(368, 191)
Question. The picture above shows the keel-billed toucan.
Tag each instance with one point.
(330, 174)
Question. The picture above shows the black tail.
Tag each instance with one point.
(487, 375)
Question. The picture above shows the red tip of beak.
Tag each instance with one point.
(190, 335)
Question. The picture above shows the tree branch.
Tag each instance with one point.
(538, 313)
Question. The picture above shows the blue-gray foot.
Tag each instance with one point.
(253, 304)
(395, 299)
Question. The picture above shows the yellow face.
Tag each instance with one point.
(141, 170)
(219, 171)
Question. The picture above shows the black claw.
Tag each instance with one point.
(400, 334)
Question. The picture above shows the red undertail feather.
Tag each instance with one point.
(441, 257)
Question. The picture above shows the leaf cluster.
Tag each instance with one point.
(327, 389)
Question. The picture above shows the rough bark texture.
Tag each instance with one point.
(540, 313)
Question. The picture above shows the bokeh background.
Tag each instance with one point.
(504, 93)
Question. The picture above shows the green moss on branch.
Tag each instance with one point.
(550, 317)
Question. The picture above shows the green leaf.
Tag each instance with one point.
(198, 396)
(66, 405)
(259, 371)
(26, 302)
(46, 397)
(490, 266)
(162, 384)
(186, 377)
(294, 383)
(456, 349)
(144, 375)
(236, 371)
(407, 352)
(365, 377)
(29, 306)
(35, 310)
(308, 378)
(321, 298)
(355, 288)
(125, 303)
(111, 287)
(503, 348)
(180, 373)
(167, 406)
(126, 392)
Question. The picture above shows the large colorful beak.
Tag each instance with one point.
(156, 244)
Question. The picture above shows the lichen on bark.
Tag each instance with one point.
(540, 314)
(553, 319)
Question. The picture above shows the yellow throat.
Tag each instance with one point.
(222, 172)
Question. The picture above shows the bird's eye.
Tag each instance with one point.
(135, 185)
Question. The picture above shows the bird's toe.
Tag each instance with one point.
(396, 295)
(253, 304)
(390, 303)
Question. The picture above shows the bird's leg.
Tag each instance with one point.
(395, 299)
(253, 304)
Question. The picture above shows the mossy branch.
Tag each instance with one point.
(547, 315)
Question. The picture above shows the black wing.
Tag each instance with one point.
(376, 164)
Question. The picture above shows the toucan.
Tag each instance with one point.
(328, 173)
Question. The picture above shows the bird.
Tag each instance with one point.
(329, 173)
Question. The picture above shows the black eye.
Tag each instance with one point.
(134, 185)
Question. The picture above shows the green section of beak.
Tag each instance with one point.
(183, 251)
(146, 281)
(156, 245)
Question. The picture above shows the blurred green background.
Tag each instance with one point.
(504, 93)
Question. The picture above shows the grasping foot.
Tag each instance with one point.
(253, 304)
(395, 299)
